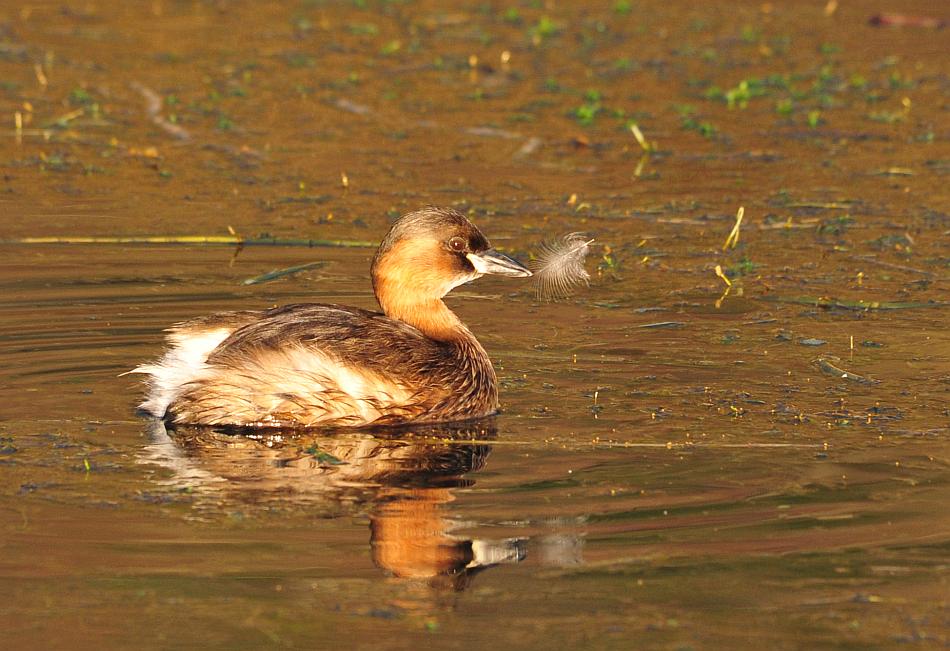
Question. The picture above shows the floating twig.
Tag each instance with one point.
(789, 225)
(492, 132)
(646, 146)
(638, 170)
(352, 107)
(906, 20)
(831, 303)
(40, 75)
(817, 205)
(153, 108)
(722, 275)
(894, 171)
(733, 238)
(828, 368)
(63, 120)
(227, 240)
(728, 289)
(662, 324)
(891, 265)
(282, 273)
(530, 146)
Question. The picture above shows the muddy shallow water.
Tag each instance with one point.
(675, 466)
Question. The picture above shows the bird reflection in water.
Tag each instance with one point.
(402, 478)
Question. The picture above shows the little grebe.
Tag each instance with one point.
(314, 364)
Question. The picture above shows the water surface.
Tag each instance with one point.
(674, 467)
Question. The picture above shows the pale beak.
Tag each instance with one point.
(493, 262)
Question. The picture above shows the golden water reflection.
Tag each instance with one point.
(403, 480)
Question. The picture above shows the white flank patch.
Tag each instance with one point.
(183, 362)
(307, 373)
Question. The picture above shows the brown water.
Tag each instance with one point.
(672, 469)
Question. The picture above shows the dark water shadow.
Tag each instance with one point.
(402, 479)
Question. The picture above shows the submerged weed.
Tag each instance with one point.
(892, 242)
(784, 107)
(80, 97)
(750, 34)
(299, 60)
(834, 225)
(622, 7)
(886, 117)
(512, 15)
(588, 111)
(363, 29)
(743, 267)
(689, 122)
(623, 64)
(391, 47)
(705, 129)
(740, 95)
(544, 28)
(608, 262)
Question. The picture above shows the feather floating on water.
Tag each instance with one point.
(559, 266)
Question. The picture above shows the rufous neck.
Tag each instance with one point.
(432, 317)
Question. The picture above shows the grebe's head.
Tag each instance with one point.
(429, 252)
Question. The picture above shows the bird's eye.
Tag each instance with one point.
(457, 244)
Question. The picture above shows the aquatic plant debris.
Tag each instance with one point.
(663, 324)
(733, 239)
(324, 457)
(725, 279)
(824, 363)
(153, 109)
(559, 266)
(830, 303)
(648, 147)
(283, 273)
(231, 239)
(906, 20)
